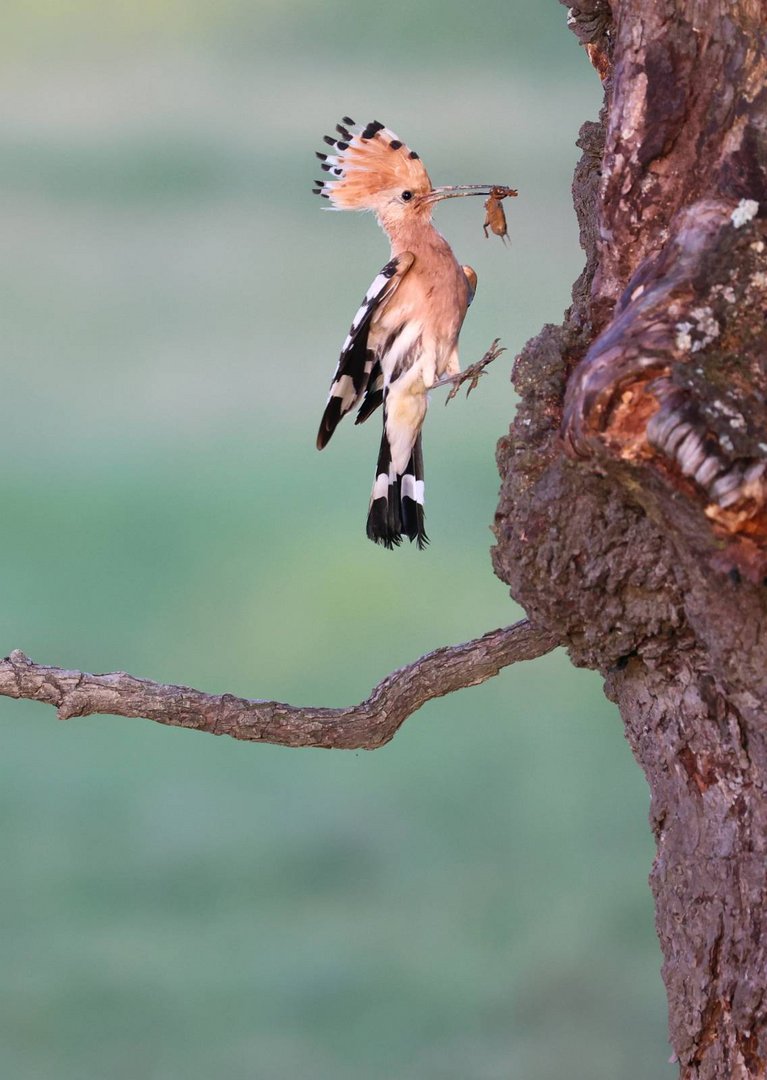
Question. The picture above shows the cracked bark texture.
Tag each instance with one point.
(632, 521)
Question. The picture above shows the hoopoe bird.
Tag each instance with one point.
(404, 338)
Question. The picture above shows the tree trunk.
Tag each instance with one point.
(633, 514)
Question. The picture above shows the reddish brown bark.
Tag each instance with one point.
(633, 514)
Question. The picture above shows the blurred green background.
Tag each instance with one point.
(470, 902)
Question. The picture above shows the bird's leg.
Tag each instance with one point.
(472, 374)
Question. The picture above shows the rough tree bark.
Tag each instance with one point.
(633, 516)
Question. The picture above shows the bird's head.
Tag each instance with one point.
(369, 168)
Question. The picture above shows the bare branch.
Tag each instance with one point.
(365, 726)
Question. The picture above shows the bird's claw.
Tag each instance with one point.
(473, 372)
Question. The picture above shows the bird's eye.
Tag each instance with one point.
(407, 196)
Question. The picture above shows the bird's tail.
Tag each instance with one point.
(396, 502)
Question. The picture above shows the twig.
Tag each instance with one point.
(365, 726)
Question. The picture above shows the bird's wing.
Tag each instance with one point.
(471, 280)
(373, 394)
(356, 361)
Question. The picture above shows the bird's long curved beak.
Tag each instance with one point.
(437, 194)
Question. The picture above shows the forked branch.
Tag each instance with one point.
(365, 726)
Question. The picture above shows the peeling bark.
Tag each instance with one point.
(632, 521)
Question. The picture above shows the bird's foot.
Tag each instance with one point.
(473, 372)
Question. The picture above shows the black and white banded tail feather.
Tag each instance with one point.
(396, 502)
(357, 363)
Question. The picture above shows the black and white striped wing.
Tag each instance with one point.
(373, 395)
(356, 361)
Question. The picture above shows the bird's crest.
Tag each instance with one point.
(365, 160)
